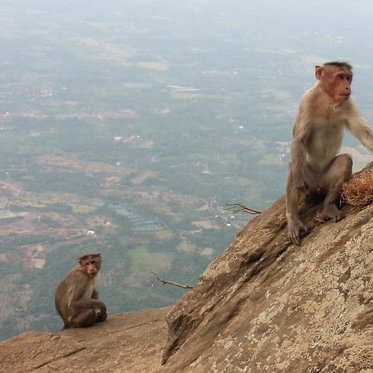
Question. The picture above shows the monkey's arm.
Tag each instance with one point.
(95, 294)
(78, 298)
(84, 303)
(360, 128)
(87, 303)
(301, 133)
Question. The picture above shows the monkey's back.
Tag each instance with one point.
(63, 295)
(61, 302)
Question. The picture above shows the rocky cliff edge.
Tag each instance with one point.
(264, 305)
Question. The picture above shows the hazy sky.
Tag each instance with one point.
(347, 23)
(309, 31)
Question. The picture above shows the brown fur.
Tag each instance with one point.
(324, 112)
(76, 296)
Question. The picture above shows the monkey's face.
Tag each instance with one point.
(336, 82)
(91, 269)
(342, 90)
(90, 265)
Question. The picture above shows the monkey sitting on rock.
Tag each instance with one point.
(325, 111)
(76, 296)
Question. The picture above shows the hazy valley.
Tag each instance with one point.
(126, 129)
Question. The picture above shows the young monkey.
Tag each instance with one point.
(325, 111)
(76, 296)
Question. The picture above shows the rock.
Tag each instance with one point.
(130, 342)
(265, 305)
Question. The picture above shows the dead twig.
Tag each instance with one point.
(239, 207)
(166, 282)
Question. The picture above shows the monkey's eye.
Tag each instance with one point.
(344, 77)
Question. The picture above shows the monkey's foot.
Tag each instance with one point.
(329, 212)
(98, 312)
(296, 230)
(101, 315)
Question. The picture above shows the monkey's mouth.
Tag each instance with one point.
(344, 96)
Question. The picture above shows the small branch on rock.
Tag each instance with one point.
(166, 282)
(238, 207)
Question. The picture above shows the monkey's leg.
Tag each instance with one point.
(295, 225)
(339, 171)
(84, 319)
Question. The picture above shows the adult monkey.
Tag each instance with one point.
(325, 110)
(76, 296)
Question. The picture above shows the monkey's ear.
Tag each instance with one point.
(318, 71)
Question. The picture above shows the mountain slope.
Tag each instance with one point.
(264, 305)
(268, 306)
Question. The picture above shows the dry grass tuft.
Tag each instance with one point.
(358, 191)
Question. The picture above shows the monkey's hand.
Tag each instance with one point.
(295, 227)
(101, 313)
